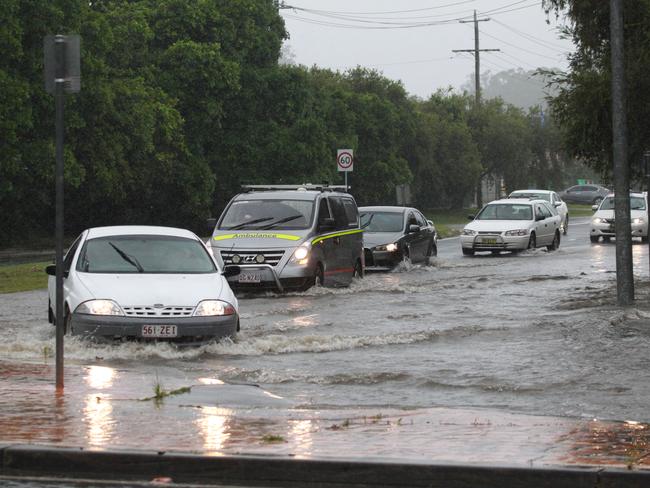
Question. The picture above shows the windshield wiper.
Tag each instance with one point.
(129, 259)
(249, 222)
(368, 223)
(282, 221)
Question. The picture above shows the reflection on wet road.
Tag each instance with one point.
(528, 342)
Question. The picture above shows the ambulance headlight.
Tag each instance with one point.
(301, 254)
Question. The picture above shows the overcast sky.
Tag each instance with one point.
(412, 40)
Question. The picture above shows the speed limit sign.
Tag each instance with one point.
(344, 160)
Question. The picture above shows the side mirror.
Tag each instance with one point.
(210, 224)
(558, 204)
(231, 270)
(430, 222)
(327, 224)
(50, 269)
(539, 217)
(594, 207)
(414, 228)
(470, 217)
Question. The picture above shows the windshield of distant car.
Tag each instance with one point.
(268, 214)
(506, 211)
(144, 254)
(382, 221)
(531, 195)
(636, 203)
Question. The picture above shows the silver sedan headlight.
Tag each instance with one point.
(99, 307)
(638, 221)
(517, 232)
(597, 220)
(212, 308)
(469, 232)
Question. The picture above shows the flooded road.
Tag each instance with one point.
(536, 335)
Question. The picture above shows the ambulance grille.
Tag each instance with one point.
(251, 257)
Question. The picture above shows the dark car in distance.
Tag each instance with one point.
(587, 194)
(395, 234)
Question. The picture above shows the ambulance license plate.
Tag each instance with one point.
(250, 278)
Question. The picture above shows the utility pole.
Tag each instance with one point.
(477, 56)
(621, 168)
(477, 82)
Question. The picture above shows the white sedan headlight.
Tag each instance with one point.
(469, 232)
(517, 232)
(638, 221)
(597, 220)
(211, 308)
(387, 247)
(99, 307)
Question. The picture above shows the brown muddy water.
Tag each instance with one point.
(522, 359)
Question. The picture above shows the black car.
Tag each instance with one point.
(395, 234)
(587, 194)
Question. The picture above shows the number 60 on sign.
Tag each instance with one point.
(344, 160)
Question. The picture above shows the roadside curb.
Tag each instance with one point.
(134, 465)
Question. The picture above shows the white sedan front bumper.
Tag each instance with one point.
(494, 242)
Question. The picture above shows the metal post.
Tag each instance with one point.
(346, 181)
(621, 170)
(477, 63)
(59, 81)
(646, 159)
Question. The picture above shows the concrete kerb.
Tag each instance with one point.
(31, 460)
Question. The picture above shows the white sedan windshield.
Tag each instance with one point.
(636, 203)
(144, 254)
(506, 211)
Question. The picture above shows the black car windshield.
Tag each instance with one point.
(382, 221)
(636, 203)
(506, 211)
(268, 214)
(532, 195)
(144, 254)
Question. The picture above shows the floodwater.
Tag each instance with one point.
(469, 359)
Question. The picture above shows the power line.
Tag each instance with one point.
(519, 47)
(396, 23)
(532, 38)
(284, 6)
(477, 57)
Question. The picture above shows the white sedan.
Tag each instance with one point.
(602, 222)
(142, 282)
(552, 198)
(512, 225)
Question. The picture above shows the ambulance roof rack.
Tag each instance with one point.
(304, 187)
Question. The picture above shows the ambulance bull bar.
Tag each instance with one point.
(263, 266)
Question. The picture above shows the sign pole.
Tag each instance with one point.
(345, 163)
(59, 82)
(646, 160)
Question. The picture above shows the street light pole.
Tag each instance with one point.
(621, 167)
(646, 160)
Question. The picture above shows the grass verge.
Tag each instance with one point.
(449, 223)
(577, 210)
(22, 277)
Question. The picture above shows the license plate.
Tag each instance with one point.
(250, 278)
(488, 241)
(159, 331)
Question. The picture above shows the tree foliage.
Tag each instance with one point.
(583, 104)
(184, 100)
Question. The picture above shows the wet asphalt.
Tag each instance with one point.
(483, 352)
